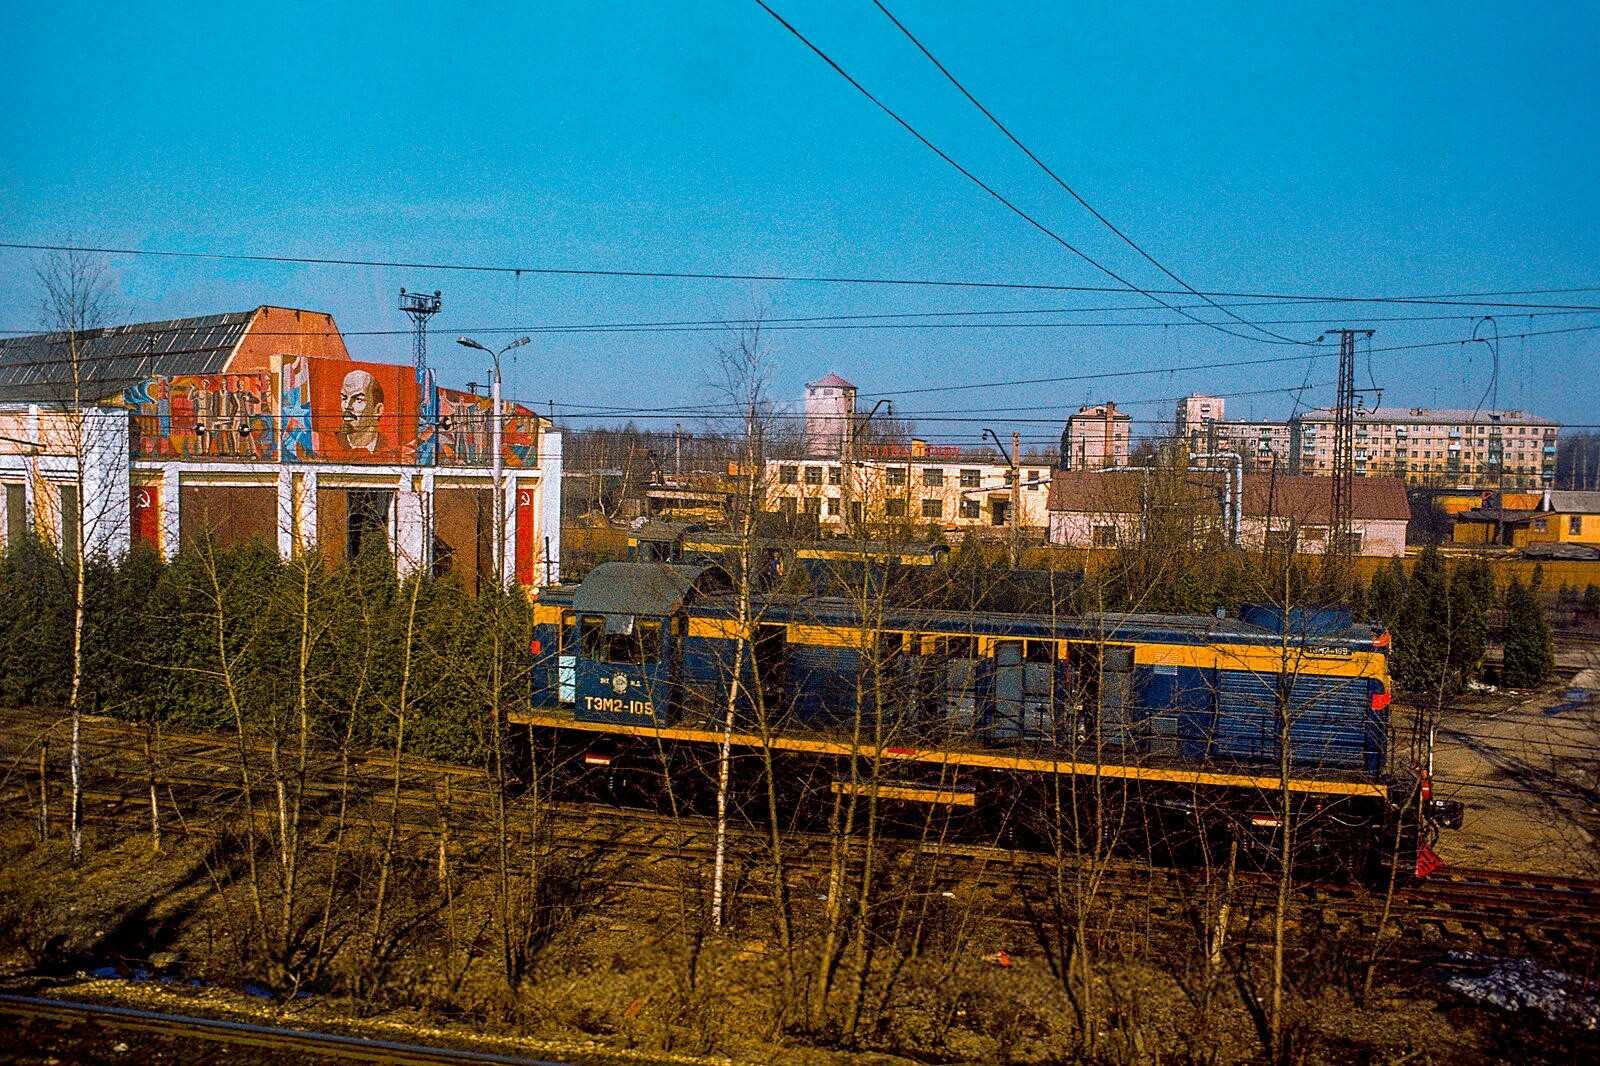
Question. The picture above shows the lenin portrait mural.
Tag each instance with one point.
(362, 412)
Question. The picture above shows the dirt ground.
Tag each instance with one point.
(1527, 767)
(608, 988)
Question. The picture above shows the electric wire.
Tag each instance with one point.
(1070, 191)
(997, 195)
(1443, 299)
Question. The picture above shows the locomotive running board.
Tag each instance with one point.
(910, 791)
(983, 760)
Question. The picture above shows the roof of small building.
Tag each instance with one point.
(1573, 501)
(1495, 514)
(1124, 491)
(1300, 497)
(1308, 498)
(832, 381)
(38, 368)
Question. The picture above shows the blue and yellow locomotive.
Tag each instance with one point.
(644, 667)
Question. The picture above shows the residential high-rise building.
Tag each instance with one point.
(1434, 447)
(1263, 445)
(1195, 414)
(1096, 438)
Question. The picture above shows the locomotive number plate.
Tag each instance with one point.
(608, 705)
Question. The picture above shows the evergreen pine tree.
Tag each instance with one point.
(1469, 628)
(1386, 594)
(1422, 639)
(1591, 600)
(1529, 658)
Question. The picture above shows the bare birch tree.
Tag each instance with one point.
(76, 300)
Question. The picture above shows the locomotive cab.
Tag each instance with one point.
(632, 626)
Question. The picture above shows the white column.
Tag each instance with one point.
(169, 510)
(548, 548)
(508, 530)
(308, 511)
(107, 504)
(286, 509)
(410, 527)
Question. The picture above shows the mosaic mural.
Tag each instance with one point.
(223, 416)
(327, 410)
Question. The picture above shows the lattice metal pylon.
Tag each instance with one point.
(419, 307)
(1340, 541)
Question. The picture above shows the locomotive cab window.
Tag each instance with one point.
(594, 637)
(622, 639)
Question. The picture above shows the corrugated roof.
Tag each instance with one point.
(38, 368)
(1573, 501)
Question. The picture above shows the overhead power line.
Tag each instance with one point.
(999, 197)
(1471, 299)
(1070, 191)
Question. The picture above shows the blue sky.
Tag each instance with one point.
(1351, 149)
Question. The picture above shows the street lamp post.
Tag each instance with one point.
(496, 428)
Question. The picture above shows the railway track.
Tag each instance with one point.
(649, 851)
(273, 1041)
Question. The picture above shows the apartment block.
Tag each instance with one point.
(1096, 438)
(1263, 445)
(1434, 447)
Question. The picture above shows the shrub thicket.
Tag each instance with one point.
(168, 643)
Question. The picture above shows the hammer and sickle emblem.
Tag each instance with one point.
(144, 499)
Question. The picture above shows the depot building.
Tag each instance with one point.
(258, 425)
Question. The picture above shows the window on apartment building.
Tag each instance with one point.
(835, 475)
(1105, 537)
(894, 508)
(897, 475)
(932, 508)
(1575, 525)
(812, 506)
(971, 509)
(971, 479)
(786, 506)
(833, 507)
(813, 475)
(1011, 476)
(933, 475)
(788, 475)
(1033, 480)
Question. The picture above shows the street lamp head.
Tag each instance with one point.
(468, 342)
(519, 342)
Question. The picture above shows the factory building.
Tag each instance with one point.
(258, 425)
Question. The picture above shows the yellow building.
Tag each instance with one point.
(1563, 518)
